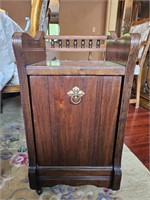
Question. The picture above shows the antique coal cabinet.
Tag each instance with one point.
(75, 111)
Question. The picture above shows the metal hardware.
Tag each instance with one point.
(75, 95)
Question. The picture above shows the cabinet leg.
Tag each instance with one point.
(39, 191)
(117, 178)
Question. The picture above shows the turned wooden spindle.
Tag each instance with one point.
(90, 43)
(67, 43)
(98, 44)
(60, 43)
(82, 43)
(52, 43)
(75, 43)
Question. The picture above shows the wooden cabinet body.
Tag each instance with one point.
(73, 142)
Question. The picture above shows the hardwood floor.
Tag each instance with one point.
(137, 136)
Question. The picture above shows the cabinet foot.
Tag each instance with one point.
(39, 191)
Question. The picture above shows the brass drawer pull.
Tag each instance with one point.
(75, 95)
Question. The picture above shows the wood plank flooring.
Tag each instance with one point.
(137, 136)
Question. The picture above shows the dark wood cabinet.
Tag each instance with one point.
(75, 112)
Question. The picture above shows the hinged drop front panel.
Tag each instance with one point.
(75, 119)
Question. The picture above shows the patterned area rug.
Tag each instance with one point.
(14, 163)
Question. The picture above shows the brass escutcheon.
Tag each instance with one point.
(75, 95)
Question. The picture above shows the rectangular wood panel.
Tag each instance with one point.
(75, 135)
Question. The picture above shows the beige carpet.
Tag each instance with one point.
(135, 184)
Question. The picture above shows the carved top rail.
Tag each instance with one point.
(114, 49)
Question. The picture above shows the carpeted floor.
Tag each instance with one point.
(14, 160)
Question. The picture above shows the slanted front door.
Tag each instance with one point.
(68, 134)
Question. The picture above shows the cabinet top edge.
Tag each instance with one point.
(76, 63)
(57, 67)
